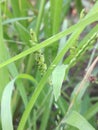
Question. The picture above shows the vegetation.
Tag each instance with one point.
(48, 65)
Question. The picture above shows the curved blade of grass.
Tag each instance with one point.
(29, 77)
(13, 20)
(52, 39)
(78, 121)
(4, 78)
(12, 70)
(6, 115)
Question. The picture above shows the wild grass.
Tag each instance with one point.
(44, 81)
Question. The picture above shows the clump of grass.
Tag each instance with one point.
(35, 65)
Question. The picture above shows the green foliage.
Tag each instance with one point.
(57, 79)
(78, 121)
(42, 56)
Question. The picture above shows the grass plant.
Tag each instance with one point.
(43, 53)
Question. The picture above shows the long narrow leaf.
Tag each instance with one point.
(4, 75)
(78, 121)
(6, 115)
(54, 38)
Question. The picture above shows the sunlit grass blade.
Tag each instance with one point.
(52, 39)
(6, 115)
(13, 20)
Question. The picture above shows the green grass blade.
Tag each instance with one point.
(6, 115)
(4, 75)
(91, 111)
(52, 39)
(39, 19)
(56, 11)
(39, 110)
(46, 114)
(13, 20)
(79, 6)
(20, 8)
(78, 121)
(23, 33)
(56, 19)
(16, 8)
(26, 76)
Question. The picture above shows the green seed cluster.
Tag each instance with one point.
(80, 51)
(77, 52)
(38, 55)
(40, 60)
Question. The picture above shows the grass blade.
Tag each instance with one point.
(4, 75)
(13, 20)
(6, 115)
(54, 38)
(39, 19)
(78, 121)
(91, 111)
